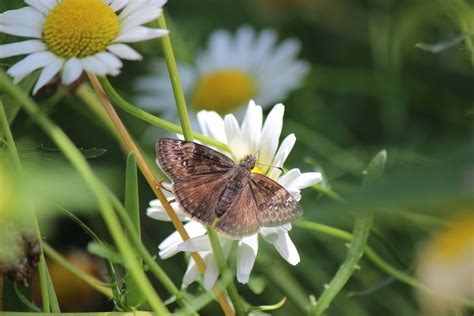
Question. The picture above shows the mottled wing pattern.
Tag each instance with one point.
(199, 176)
(275, 206)
(182, 159)
(198, 196)
(241, 218)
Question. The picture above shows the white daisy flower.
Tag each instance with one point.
(248, 138)
(231, 71)
(70, 36)
(446, 265)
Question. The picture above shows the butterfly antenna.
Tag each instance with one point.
(270, 166)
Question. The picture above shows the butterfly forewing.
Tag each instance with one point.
(182, 159)
(199, 195)
(275, 206)
(209, 185)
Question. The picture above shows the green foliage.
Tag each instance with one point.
(384, 74)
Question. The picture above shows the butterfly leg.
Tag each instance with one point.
(163, 187)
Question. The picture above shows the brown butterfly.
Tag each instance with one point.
(212, 189)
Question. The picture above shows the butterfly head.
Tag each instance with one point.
(248, 162)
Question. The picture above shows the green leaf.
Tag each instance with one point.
(53, 153)
(25, 300)
(11, 105)
(134, 296)
(104, 251)
(272, 307)
(441, 46)
(375, 167)
(257, 284)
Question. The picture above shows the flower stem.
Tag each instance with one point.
(175, 82)
(15, 158)
(221, 263)
(130, 146)
(370, 253)
(157, 271)
(86, 278)
(134, 313)
(79, 162)
(356, 250)
(47, 290)
(132, 207)
(184, 118)
(147, 117)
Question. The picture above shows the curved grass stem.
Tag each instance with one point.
(345, 271)
(48, 295)
(83, 168)
(93, 282)
(371, 255)
(154, 267)
(222, 265)
(188, 135)
(175, 82)
(147, 117)
(130, 146)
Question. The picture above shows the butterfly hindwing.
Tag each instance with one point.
(182, 159)
(208, 185)
(241, 218)
(275, 206)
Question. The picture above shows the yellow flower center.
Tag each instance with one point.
(80, 28)
(224, 90)
(457, 240)
(257, 169)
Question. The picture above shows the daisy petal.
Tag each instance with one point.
(211, 273)
(29, 64)
(264, 45)
(251, 127)
(281, 155)
(131, 7)
(117, 5)
(112, 63)
(200, 243)
(94, 65)
(140, 17)
(270, 135)
(23, 31)
(289, 177)
(140, 33)
(169, 246)
(124, 51)
(22, 48)
(48, 73)
(234, 136)
(246, 254)
(26, 16)
(285, 247)
(72, 71)
(43, 6)
(307, 179)
(212, 125)
(156, 211)
(192, 272)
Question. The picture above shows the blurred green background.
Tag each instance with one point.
(369, 88)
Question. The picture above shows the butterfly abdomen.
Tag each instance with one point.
(240, 177)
